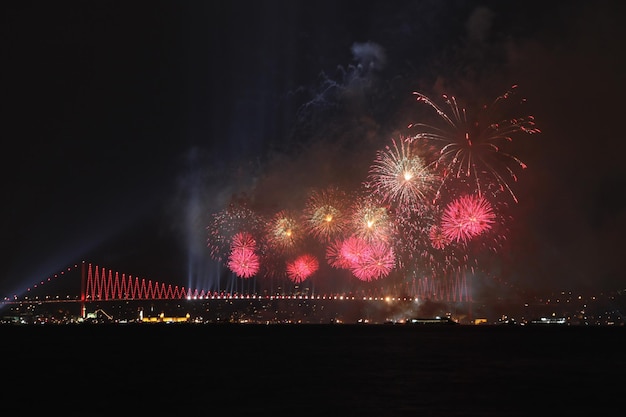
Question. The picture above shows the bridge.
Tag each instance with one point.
(101, 284)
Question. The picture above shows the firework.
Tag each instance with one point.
(325, 214)
(438, 239)
(284, 232)
(473, 149)
(400, 175)
(353, 250)
(430, 211)
(302, 267)
(334, 256)
(412, 226)
(243, 240)
(421, 248)
(377, 261)
(370, 220)
(226, 224)
(243, 262)
(466, 217)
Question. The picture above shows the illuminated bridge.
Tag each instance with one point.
(100, 284)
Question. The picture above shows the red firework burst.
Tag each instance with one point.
(243, 262)
(466, 217)
(243, 240)
(302, 267)
(377, 262)
(334, 257)
(473, 148)
(353, 250)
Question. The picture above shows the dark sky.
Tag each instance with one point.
(126, 124)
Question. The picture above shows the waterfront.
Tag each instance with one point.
(566, 308)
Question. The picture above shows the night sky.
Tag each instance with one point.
(127, 124)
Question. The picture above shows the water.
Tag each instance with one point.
(382, 370)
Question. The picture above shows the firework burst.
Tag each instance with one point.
(243, 262)
(377, 261)
(466, 217)
(226, 224)
(400, 175)
(371, 220)
(421, 248)
(353, 250)
(430, 211)
(473, 149)
(284, 232)
(334, 255)
(243, 259)
(302, 267)
(243, 240)
(325, 214)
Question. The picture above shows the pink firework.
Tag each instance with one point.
(334, 257)
(400, 175)
(302, 267)
(243, 262)
(377, 262)
(466, 217)
(353, 250)
(243, 240)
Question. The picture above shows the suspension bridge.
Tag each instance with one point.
(94, 283)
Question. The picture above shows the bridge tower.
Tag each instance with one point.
(83, 278)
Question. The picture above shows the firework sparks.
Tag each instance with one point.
(284, 231)
(438, 239)
(377, 261)
(243, 262)
(431, 207)
(400, 175)
(412, 239)
(334, 255)
(473, 149)
(353, 250)
(325, 214)
(243, 240)
(226, 224)
(370, 220)
(466, 217)
(302, 267)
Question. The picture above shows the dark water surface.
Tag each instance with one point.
(382, 370)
